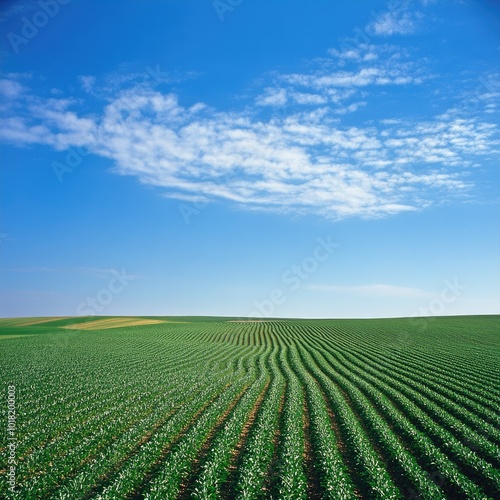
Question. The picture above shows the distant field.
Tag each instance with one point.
(104, 324)
(208, 408)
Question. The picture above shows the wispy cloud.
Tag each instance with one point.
(304, 158)
(97, 271)
(379, 290)
(304, 162)
(87, 271)
(10, 89)
(388, 24)
(40, 269)
(130, 76)
(401, 18)
(343, 79)
(16, 8)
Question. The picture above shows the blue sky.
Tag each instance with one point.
(241, 158)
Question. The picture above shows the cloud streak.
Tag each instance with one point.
(378, 290)
(346, 75)
(389, 23)
(401, 18)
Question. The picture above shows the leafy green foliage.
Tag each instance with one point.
(212, 408)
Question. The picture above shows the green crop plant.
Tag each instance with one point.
(210, 408)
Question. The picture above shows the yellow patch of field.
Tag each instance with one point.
(37, 321)
(104, 324)
(12, 336)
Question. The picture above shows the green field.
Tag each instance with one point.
(221, 408)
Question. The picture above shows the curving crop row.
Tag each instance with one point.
(420, 441)
(292, 481)
(335, 479)
(372, 472)
(215, 468)
(260, 445)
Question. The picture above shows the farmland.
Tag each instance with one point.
(206, 408)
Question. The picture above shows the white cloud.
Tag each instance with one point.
(360, 78)
(348, 74)
(308, 98)
(351, 108)
(10, 89)
(389, 24)
(87, 82)
(378, 290)
(338, 79)
(272, 97)
(400, 18)
(299, 158)
(130, 76)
